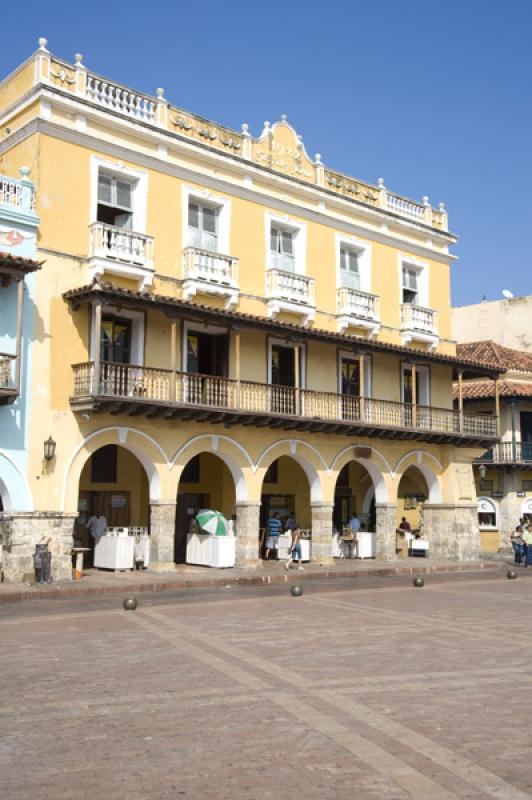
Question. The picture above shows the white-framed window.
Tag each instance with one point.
(413, 281)
(487, 514)
(349, 374)
(353, 260)
(349, 268)
(118, 195)
(422, 385)
(286, 244)
(202, 225)
(282, 247)
(115, 200)
(410, 287)
(206, 220)
(134, 322)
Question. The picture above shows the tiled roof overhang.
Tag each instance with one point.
(485, 390)
(113, 295)
(14, 268)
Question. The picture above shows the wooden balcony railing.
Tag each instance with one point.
(7, 372)
(508, 453)
(167, 388)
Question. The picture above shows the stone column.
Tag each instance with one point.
(322, 523)
(386, 528)
(162, 536)
(452, 531)
(247, 534)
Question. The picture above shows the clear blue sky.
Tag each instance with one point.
(436, 97)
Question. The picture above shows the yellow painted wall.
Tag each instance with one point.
(215, 481)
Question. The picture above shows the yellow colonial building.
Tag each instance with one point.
(223, 321)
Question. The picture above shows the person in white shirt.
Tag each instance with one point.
(97, 526)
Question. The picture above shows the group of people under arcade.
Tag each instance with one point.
(522, 543)
(274, 531)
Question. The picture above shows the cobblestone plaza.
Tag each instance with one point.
(367, 688)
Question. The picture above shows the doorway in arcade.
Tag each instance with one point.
(205, 482)
(354, 494)
(411, 495)
(285, 489)
(112, 483)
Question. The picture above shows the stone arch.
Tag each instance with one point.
(372, 468)
(419, 459)
(14, 487)
(233, 455)
(141, 445)
(304, 454)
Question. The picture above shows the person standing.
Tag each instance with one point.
(274, 531)
(295, 543)
(527, 539)
(518, 543)
(97, 525)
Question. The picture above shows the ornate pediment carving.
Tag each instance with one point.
(280, 148)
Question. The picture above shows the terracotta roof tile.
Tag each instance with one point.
(492, 353)
(485, 389)
(18, 263)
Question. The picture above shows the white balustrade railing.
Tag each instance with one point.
(107, 241)
(139, 383)
(417, 318)
(405, 208)
(354, 303)
(118, 98)
(290, 286)
(16, 193)
(214, 268)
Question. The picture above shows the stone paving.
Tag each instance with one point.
(365, 688)
(186, 576)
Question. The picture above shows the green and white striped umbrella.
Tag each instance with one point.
(212, 522)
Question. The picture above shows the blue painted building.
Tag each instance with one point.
(18, 240)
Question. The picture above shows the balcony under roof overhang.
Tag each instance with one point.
(110, 294)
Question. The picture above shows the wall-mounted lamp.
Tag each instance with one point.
(49, 449)
(482, 471)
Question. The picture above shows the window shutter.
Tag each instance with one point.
(123, 194)
(104, 188)
(287, 243)
(274, 240)
(193, 215)
(209, 220)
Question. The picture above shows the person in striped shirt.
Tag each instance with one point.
(274, 531)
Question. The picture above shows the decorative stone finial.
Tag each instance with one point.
(266, 124)
(25, 171)
(441, 206)
(426, 200)
(42, 43)
(380, 183)
(317, 158)
(284, 118)
(78, 58)
(245, 128)
(160, 93)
